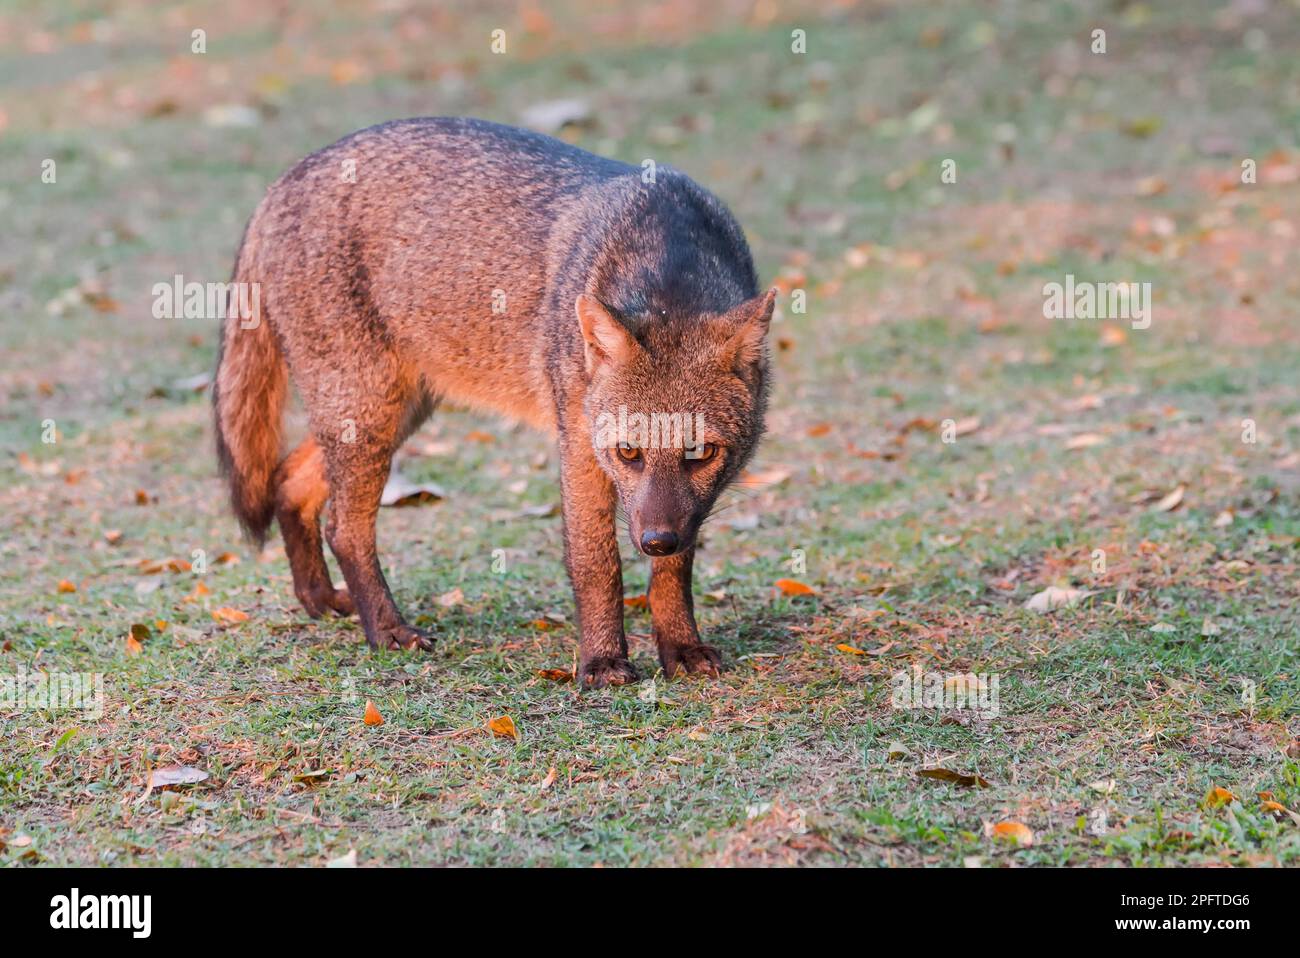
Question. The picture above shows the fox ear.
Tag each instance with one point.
(604, 338)
(753, 317)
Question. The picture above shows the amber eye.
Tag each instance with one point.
(629, 453)
(702, 453)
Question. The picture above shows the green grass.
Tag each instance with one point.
(921, 552)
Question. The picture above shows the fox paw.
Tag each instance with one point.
(401, 636)
(690, 660)
(606, 670)
(316, 602)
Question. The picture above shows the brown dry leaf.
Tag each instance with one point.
(549, 780)
(850, 649)
(198, 592)
(113, 536)
(1219, 796)
(948, 775)
(1054, 597)
(555, 675)
(136, 637)
(226, 558)
(228, 616)
(504, 727)
(169, 775)
(66, 586)
(451, 599)
(964, 427)
(1015, 832)
(820, 429)
(793, 587)
(1085, 440)
(1170, 502)
(773, 476)
(372, 716)
(1113, 335)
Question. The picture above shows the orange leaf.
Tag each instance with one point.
(372, 716)
(66, 586)
(791, 587)
(504, 726)
(1218, 796)
(1014, 832)
(850, 649)
(555, 675)
(819, 429)
(477, 435)
(637, 601)
(228, 616)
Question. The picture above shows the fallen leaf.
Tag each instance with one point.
(400, 491)
(228, 616)
(449, 600)
(1210, 628)
(555, 675)
(372, 716)
(772, 476)
(850, 649)
(168, 775)
(1054, 597)
(344, 861)
(549, 780)
(1085, 440)
(1016, 832)
(504, 726)
(636, 601)
(791, 587)
(1219, 796)
(66, 586)
(948, 775)
(136, 637)
(898, 750)
(1171, 501)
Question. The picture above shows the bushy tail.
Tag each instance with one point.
(248, 397)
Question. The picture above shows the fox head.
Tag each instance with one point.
(675, 411)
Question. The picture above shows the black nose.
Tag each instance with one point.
(658, 543)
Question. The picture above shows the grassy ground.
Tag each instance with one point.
(1117, 718)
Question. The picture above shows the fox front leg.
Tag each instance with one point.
(672, 616)
(591, 556)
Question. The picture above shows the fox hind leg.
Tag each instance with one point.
(357, 468)
(301, 491)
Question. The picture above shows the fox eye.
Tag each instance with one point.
(629, 453)
(701, 453)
